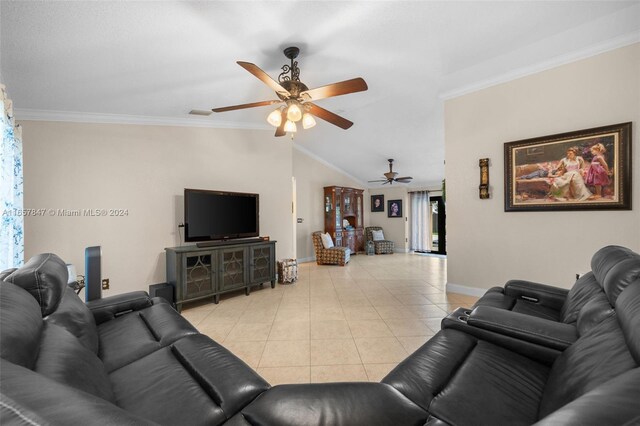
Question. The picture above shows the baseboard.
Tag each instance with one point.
(463, 289)
(306, 259)
(400, 250)
(441, 256)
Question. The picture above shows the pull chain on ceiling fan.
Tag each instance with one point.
(390, 176)
(296, 97)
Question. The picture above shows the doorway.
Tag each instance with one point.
(438, 225)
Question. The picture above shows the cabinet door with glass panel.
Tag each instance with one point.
(199, 276)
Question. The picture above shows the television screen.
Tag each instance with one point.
(217, 215)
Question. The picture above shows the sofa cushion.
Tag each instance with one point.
(212, 384)
(74, 316)
(64, 359)
(506, 389)
(593, 313)
(421, 376)
(377, 235)
(462, 380)
(331, 404)
(27, 397)
(582, 291)
(45, 277)
(612, 403)
(21, 325)
(137, 334)
(594, 358)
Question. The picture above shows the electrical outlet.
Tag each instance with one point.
(105, 284)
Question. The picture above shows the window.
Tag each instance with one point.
(11, 201)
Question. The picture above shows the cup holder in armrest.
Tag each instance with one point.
(460, 315)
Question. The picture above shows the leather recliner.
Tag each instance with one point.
(462, 379)
(126, 359)
(132, 360)
(613, 268)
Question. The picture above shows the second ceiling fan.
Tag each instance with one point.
(390, 176)
(296, 97)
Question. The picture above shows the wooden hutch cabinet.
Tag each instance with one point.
(344, 204)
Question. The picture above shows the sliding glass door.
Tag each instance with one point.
(438, 225)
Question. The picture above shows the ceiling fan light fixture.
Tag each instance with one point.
(275, 118)
(294, 113)
(308, 121)
(295, 97)
(290, 127)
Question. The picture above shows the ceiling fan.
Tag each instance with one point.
(296, 97)
(390, 176)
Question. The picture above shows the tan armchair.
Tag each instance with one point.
(331, 256)
(381, 247)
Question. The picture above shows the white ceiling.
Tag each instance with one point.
(155, 61)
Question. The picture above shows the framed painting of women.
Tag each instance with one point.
(581, 170)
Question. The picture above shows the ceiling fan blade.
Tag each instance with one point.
(280, 130)
(264, 77)
(379, 180)
(404, 179)
(332, 118)
(205, 112)
(243, 106)
(336, 89)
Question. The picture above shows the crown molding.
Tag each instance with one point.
(326, 163)
(612, 44)
(23, 114)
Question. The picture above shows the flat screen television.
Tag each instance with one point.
(220, 215)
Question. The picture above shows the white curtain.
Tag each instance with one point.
(11, 202)
(420, 221)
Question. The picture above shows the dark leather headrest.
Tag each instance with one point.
(45, 277)
(615, 268)
(4, 274)
(21, 325)
(628, 311)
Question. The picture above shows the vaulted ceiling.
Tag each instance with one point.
(152, 62)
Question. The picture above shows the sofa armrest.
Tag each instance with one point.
(528, 328)
(458, 320)
(108, 308)
(545, 295)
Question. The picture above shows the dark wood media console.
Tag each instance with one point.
(201, 272)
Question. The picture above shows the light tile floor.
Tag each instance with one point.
(352, 323)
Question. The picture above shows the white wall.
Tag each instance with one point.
(395, 229)
(143, 169)
(487, 246)
(311, 177)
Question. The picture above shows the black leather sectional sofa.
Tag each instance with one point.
(524, 354)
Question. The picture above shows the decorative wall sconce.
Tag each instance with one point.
(484, 178)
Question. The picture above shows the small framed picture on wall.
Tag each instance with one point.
(377, 203)
(394, 208)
